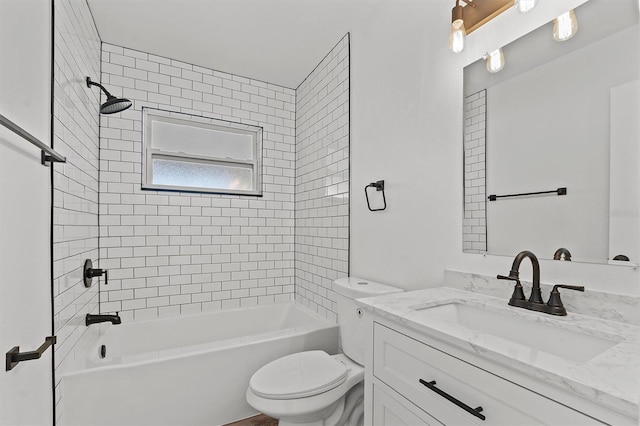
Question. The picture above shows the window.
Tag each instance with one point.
(184, 152)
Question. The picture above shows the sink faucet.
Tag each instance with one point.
(535, 302)
(514, 275)
(95, 319)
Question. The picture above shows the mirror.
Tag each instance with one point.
(559, 115)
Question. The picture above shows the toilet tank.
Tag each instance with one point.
(352, 325)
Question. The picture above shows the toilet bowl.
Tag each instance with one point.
(306, 388)
(313, 387)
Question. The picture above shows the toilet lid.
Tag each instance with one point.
(297, 376)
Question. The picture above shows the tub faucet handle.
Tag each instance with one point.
(89, 273)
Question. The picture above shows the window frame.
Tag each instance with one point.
(151, 115)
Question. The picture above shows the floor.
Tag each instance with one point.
(259, 420)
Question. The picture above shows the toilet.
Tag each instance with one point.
(313, 387)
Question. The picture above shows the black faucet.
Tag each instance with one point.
(95, 319)
(517, 299)
(562, 254)
(535, 302)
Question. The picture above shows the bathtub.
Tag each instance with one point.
(188, 370)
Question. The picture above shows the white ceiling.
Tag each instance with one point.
(276, 41)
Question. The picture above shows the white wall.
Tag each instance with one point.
(322, 180)
(407, 127)
(75, 216)
(171, 253)
(25, 210)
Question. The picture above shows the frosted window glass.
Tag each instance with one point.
(201, 175)
(207, 142)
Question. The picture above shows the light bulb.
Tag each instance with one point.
(523, 6)
(458, 33)
(565, 26)
(457, 36)
(495, 60)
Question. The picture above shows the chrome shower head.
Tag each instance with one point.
(113, 104)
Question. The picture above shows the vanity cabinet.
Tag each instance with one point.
(413, 382)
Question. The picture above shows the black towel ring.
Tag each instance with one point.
(379, 186)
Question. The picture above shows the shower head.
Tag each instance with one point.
(113, 104)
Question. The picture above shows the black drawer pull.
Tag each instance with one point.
(475, 411)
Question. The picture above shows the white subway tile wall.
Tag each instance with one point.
(322, 181)
(474, 226)
(75, 196)
(172, 253)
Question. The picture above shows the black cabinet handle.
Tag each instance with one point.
(474, 411)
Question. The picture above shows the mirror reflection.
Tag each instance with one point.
(551, 141)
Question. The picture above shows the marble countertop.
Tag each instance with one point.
(610, 377)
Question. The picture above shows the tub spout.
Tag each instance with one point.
(95, 319)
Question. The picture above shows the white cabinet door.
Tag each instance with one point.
(25, 210)
(391, 409)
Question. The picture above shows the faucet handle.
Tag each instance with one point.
(554, 305)
(510, 278)
(518, 293)
(569, 287)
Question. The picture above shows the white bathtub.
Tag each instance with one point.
(189, 370)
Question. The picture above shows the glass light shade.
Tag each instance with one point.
(565, 26)
(523, 6)
(495, 60)
(457, 36)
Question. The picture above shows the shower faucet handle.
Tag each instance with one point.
(92, 273)
(89, 273)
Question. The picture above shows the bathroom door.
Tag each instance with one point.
(26, 395)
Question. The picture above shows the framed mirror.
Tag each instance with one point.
(552, 142)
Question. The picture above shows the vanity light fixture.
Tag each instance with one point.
(457, 33)
(472, 15)
(524, 6)
(495, 60)
(565, 26)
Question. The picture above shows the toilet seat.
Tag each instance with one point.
(299, 375)
(310, 409)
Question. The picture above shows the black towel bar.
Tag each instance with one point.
(48, 155)
(559, 191)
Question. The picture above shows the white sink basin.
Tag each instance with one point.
(536, 334)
